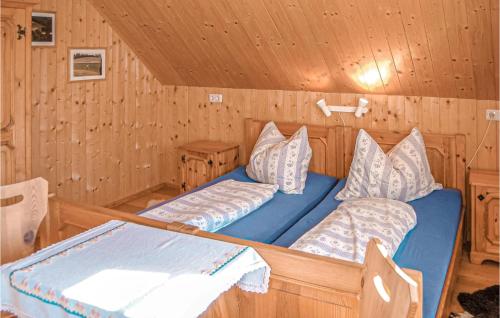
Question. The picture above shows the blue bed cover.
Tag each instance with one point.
(427, 248)
(276, 216)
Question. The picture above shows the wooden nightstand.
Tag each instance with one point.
(484, 216)
(202, 161)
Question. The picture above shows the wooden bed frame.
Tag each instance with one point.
(306, 285)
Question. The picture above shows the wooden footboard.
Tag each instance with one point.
(301, 285)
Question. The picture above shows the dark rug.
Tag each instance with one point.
(482, 303)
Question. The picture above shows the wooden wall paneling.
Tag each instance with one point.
(297, 37)
(459, 41)
(435, 31)
(155, 142)
(379, 112)
(413, 111)
(213, 113)
(258, 70)
(128, 126)
(164, 70)
(277, 67)
(163, 134)
(495, 30)
(467, 118)
(64, 103)
(232, 70)
(74, 123)
(177, 131)
(197, 113)
(430, 114)
(317, 45)
(329, 46)
(268, 29)
(92, 89)
(180, 26)
(331, 99)
(184, 61)
(239, 106)
(448, 114)
(479, 19)
(141, 139)
(352, 63)
(417, 42)
(106, 117)
(388, 12)
(140, 122)
(395, 113)
(488, 154)
(349, 99)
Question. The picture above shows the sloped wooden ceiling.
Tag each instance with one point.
(445, 48)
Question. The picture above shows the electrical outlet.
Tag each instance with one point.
(493, 114)
(215, 98)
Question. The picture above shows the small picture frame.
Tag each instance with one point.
(43, 28)
(87, 64)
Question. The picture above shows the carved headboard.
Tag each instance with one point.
(325, 143)
(446, 154)
(333, 149)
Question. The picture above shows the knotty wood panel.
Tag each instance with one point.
(397, 113)
(437, 48)
(94, 141)
(100, 141)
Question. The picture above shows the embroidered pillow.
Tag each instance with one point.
(402, 174)
(276, 160)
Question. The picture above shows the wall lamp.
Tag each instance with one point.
(358, 111)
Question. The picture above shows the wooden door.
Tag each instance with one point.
(15, 99)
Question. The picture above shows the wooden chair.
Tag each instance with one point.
(387, 290)
(26, 204)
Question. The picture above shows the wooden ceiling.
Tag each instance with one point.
(445, 48)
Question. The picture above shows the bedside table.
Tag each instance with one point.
(484, 215)
(202, 161)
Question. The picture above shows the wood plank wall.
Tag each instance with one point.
(400, 113)
(100, 141)
(96, 140)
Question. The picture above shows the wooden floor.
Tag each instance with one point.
(140, 202)
(470, 277)
(473, 277)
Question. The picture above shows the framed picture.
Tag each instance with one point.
(43, 29)
(87, 64)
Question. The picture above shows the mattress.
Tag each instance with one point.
(275, 217)
(427, 248)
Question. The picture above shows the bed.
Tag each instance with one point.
(427, 248)
(272, 219)
(306, 285)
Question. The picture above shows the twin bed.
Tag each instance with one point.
(313, 285)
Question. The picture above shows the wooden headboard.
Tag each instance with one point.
(446, 154)
(325, 142)
(333, 149)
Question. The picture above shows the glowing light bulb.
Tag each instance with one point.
(373, 75)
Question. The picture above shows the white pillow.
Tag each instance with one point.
(403, 174)
(276, 160)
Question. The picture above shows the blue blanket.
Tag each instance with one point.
(427, 248)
